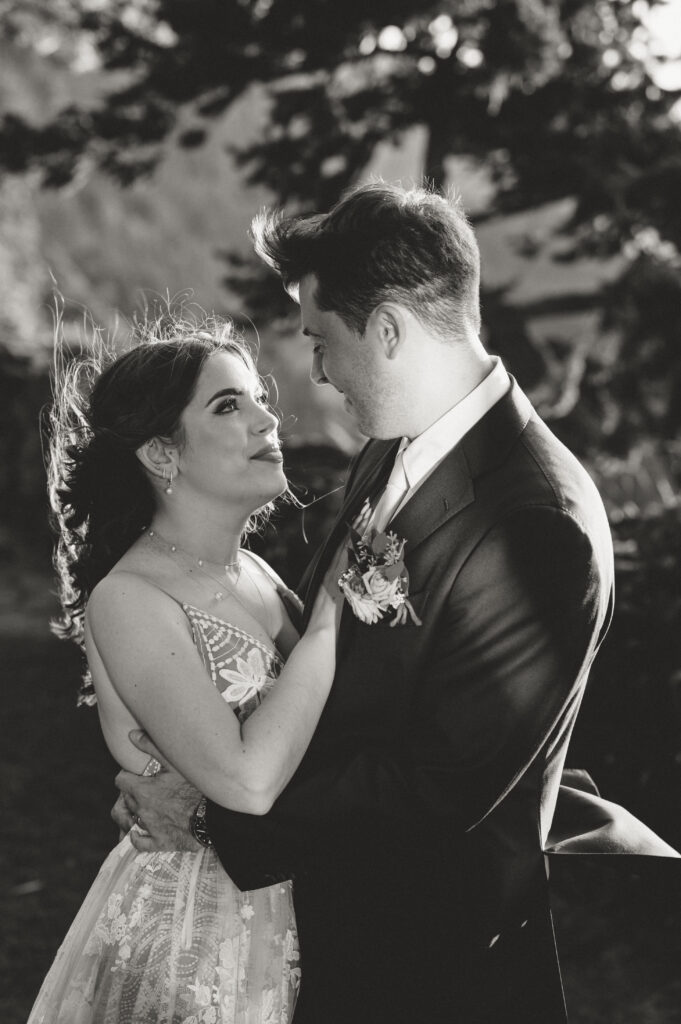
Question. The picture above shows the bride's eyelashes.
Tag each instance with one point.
(231, 404)
(225, 406)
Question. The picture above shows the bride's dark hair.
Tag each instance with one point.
(105, 407)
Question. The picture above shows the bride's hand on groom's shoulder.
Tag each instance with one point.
(156, 810)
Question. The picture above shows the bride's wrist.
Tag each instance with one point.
(320, 630)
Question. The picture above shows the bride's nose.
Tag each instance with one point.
(266, 421)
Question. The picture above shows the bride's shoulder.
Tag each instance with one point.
(262, 565)
(125, 593)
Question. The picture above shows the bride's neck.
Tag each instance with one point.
(201, 535)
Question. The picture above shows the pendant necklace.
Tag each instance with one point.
(173, 550)
(200, 563)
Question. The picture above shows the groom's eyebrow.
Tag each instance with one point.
(232, 392)
(310, 334)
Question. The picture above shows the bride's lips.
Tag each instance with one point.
(272, 453)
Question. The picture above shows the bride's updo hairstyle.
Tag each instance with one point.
(106, 407)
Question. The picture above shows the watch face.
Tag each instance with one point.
(197, 825)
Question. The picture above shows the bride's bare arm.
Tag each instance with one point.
(142, 638)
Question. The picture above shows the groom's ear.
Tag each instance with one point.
(388, 323)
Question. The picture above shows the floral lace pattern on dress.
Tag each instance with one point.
(241, 667)
(168, 937)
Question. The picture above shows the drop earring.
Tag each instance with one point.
(169, 488)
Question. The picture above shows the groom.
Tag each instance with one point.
(415, 825)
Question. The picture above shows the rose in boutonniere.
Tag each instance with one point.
(363, 604)
(376, 580)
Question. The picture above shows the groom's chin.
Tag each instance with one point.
(376, 432)
(371, 426)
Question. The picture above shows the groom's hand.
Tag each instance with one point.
(160, 805)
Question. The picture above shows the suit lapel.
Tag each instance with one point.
(450, 487)
(448, 490)
(370, 477)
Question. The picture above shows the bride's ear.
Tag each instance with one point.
(158, 458)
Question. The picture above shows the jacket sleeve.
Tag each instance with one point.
(511, 646)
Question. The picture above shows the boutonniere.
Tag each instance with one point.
(376, 580)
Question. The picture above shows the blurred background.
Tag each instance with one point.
(137, 139)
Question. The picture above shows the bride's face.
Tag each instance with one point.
(231, 446)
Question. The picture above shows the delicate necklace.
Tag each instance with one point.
(200, 564)
(175, 549)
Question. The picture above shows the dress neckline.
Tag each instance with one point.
(271, 651)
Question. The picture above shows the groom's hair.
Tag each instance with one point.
(381, 243)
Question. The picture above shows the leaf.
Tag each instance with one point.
(391, 572)
(355, 535)
(356, 545)
(414, 617)
(379, 543)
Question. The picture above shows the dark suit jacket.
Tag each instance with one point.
(415, 825)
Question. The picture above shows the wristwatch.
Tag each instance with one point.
(197, 824)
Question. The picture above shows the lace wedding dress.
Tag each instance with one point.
(167, 938)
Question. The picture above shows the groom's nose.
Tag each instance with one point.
(317, 375)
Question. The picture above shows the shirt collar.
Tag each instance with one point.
(425, 451)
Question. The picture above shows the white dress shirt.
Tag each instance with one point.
(425, 452)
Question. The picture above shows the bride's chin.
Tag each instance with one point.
(275, 492)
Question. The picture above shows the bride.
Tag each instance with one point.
(157, 469)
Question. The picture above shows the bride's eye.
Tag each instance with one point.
(226, 405)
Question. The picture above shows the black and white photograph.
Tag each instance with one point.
(340, 533)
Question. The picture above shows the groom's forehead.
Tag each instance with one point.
(313, 320)
(307, 294)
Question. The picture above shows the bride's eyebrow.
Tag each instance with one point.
(311, 334)
(232, 392)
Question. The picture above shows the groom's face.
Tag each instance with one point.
(349, 361)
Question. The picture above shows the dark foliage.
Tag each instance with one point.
(552, 98)
(24, 393)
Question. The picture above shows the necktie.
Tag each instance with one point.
(395, 490)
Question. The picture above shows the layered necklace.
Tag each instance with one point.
(200, 563)
(178, 554)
